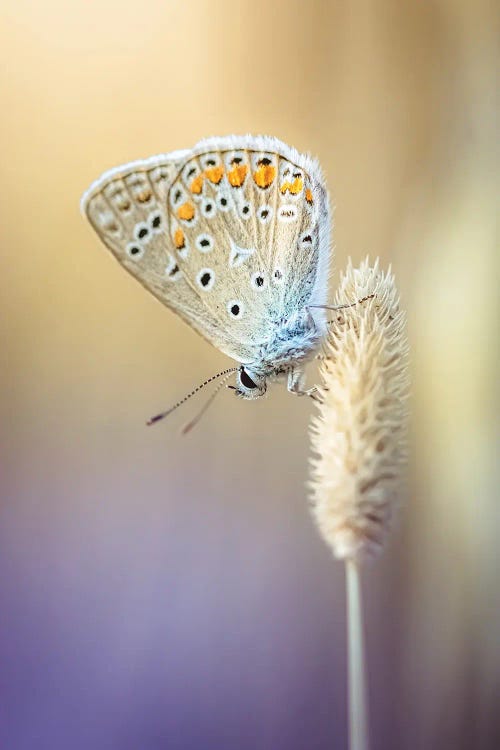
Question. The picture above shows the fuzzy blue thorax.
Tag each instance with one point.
(291, 341)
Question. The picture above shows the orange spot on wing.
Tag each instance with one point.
(186, 211)
(264, 175)
(237, 175)
(197, 185)
(294, 187)
(214, 174)
(179, 241)
(309, 195)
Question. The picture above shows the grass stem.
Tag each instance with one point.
(357, 698)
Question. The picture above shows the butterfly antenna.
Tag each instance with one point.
(343, 307)
(164, 414)
(189, 426)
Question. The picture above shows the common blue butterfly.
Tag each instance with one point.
(234, 236)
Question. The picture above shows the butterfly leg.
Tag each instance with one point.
(296, 382)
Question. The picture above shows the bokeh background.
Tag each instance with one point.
(167, 592)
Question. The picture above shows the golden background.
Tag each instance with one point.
(169, 592)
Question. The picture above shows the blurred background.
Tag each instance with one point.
(167, 592)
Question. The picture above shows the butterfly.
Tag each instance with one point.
(233, 235)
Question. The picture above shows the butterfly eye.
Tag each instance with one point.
(246, 380)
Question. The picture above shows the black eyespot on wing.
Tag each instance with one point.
(235, 309)
(259, 281)
(246, 380)
(264, 162)
(134, 250)
(278, 274)
(205, 278)
(142, 233)
(156, 222)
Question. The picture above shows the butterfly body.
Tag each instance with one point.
(232, 235)
(291, 344)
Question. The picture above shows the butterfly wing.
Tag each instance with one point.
(232, 235)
